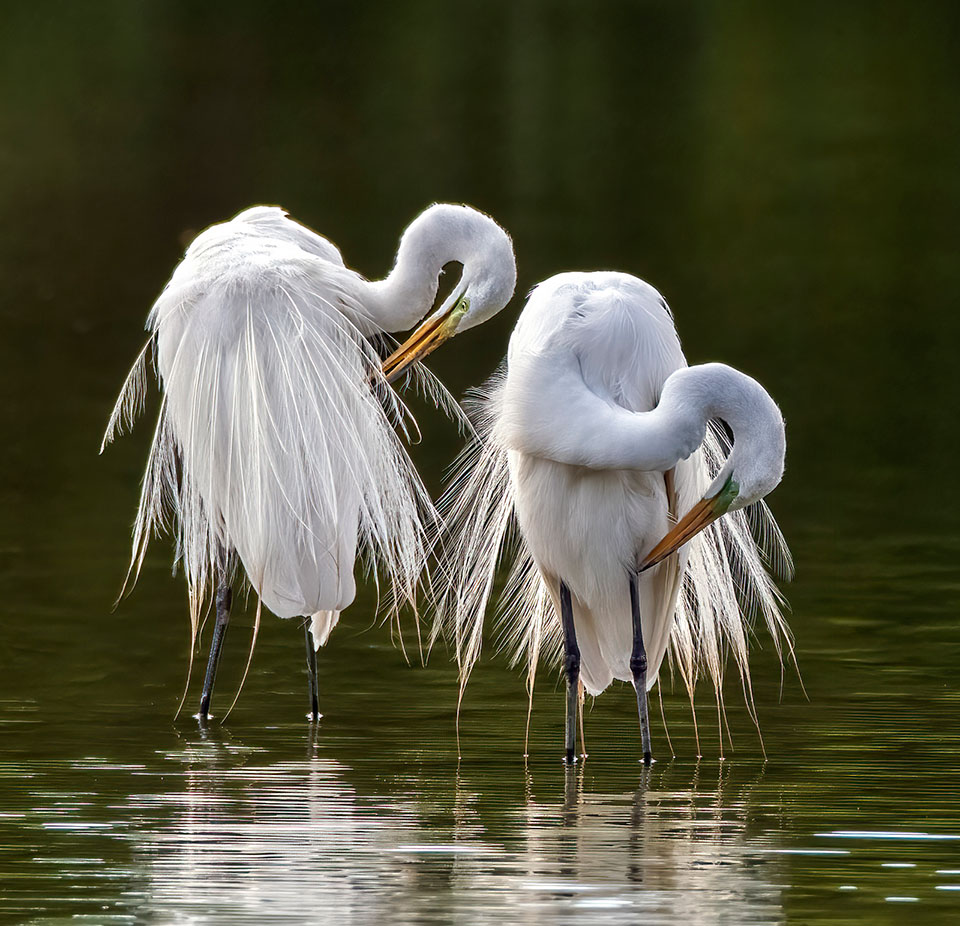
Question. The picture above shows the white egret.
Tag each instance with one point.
(276, 440)
(593, 439)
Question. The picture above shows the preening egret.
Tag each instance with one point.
(595, 436)
(276, 440)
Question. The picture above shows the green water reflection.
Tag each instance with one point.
(786, 175)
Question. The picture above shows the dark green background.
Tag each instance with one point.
(786, 174)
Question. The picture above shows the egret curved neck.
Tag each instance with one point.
(435, 238)
(550, 412)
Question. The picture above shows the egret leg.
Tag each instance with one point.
(314, 714)
(571, 667)
(224, 599)
(638, 666)
(581, 697)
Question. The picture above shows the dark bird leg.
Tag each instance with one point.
(571, 668)
(224, 598)
(314, 714)
(638, 666)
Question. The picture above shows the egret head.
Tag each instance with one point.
(755, 465)
(464, 235)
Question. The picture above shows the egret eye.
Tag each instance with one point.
(460, 309)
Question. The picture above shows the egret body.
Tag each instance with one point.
(594, 439)
(276, 444)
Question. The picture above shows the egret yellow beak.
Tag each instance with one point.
(699, 517)
(427, 338)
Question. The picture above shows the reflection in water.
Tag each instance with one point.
(218, 827)
(248, 839)
(672, 850)
(251, 840)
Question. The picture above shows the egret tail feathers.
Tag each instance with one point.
(321, 626)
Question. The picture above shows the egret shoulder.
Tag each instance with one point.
(267, 267)
(276, 222)
(619, 328)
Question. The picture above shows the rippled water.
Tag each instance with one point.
(110, 811)
(786, 176)
(119, 819)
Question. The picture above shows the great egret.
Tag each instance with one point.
(276, 440)
(589, 439)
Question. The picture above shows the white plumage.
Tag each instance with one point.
(277, 432)
(574, 450)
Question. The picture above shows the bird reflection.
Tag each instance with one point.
(672, 848)
(249, 838)
(249, 835)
